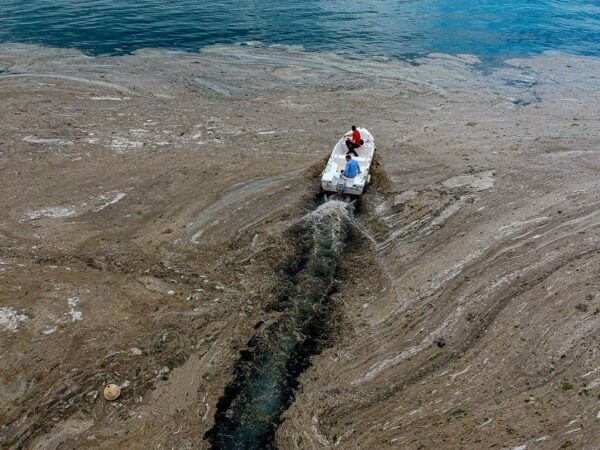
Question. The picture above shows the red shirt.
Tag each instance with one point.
(356, 137)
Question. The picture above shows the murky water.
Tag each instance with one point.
(266, 374)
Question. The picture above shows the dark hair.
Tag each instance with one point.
(348, 157)
(353, 127)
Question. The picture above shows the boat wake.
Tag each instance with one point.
(266, 374)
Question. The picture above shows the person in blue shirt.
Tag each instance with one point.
(352, 168)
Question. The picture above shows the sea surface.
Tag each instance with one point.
(490, 29)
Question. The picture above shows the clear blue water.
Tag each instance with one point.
(394, 28)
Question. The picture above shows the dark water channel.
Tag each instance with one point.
(266, 374)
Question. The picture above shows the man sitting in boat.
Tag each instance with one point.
(354, 142)
(352, 168)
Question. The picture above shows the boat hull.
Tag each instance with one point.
(332, 181)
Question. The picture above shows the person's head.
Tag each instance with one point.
(348, 157)
(353, 127)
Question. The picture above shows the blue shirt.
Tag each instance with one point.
(352, 169)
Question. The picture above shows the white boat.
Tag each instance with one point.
(332, 181)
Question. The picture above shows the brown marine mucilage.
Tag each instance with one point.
(146, 201)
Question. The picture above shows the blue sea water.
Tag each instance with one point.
(394, 28)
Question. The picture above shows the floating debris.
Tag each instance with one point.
(55, 212)
(112, 392)
(10, 318)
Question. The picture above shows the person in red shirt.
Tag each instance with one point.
(354, 142)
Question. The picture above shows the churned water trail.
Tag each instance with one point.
(266, 374)
(488, 29)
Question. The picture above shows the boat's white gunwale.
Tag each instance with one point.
(331, 174)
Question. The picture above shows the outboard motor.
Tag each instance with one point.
(340, 187)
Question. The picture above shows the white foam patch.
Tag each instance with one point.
(487, 422)
(376, 369)
(444, 215)
(138, 133)
(118, 197)
(513, 227)
(452, 272)
(72, 304)
(479, 181)
(55, 212)
(121, 144)
(593, 384)
(196, 237)
(113, 99)
(585, 375)
(458, 374)
(10, 318)
(70, 78)
(315, 429)
(37, 140)
(404, 197)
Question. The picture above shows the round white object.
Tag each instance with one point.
(112, 392)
